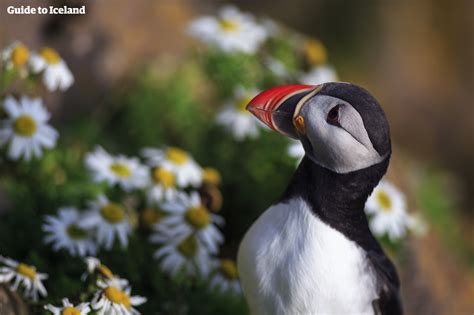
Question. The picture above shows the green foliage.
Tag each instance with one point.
(37, 188)
(228, 71)
(177, 108)
(439, 205)
(283, 50)
(159, 112)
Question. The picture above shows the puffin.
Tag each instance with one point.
(312, 252)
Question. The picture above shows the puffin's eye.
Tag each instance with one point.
(333, 116)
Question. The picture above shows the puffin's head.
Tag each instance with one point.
(342, 127)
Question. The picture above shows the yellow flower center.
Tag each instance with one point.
(117, 296)
(211, 176)
(164, 177)
(112, 212)
(177, 156)
(20, 55)
(198, 217)
(105, 271)
(120, 169)
(75, 232)
(228, 25)
(69, 310)
(27, 271)
(242, 103)
(50, 55)
(151, 216)
(229, 269)
(188, 248)
(315, 52)
(25, 125)
(384, 200)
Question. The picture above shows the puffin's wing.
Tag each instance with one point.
(388, 284)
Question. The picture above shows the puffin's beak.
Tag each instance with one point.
(278, 107)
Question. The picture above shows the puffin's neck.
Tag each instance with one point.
(338, 199)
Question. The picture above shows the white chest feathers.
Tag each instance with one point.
(291, 263)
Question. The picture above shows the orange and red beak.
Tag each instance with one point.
(278, 107)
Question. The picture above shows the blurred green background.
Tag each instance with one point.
(416, 57)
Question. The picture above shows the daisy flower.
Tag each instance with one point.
(126, 172)
(387, 208)
(182, 254)
(110, 221)
(186, 171)
(319, 75)
(56, 74)
(19, 274)
(68, 308)
(231, 31)
(187, 216)
(26, 128)
(295, 150)
(315, 52)
(163, 183)
(114, 298)
(64, 232)
(16, 56)
(95, 265)
(234, 117)
(225, 277)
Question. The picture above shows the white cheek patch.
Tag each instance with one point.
(342, 149)
(352, 122)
